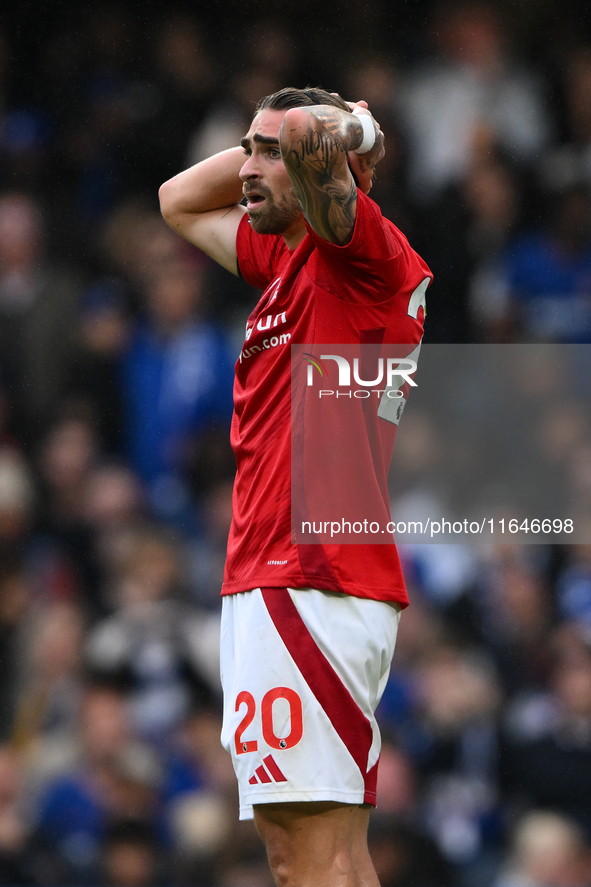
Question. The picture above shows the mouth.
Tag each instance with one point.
(253, 199)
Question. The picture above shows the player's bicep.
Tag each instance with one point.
(214, 232)
(316, 160)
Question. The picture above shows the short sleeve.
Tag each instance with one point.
(374, 262)
(374, 237)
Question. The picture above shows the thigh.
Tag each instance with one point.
(317, 843)
(338, 820)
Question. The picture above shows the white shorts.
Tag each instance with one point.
(303, 672)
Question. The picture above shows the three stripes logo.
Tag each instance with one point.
(267, 772)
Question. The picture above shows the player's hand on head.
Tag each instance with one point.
(363, 165)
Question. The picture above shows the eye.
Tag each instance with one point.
(274, 153)
(247, 151)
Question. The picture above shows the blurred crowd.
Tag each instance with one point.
(509, 440)
(117, 345)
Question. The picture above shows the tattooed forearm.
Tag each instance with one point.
(321, 146)
(328, 205)
(314, 143)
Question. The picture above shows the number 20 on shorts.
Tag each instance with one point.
(280, 742)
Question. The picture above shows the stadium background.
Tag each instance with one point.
(116, 350)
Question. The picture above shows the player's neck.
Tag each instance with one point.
(295, 234)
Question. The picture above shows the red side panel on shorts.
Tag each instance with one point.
(343, 712)
(371, 784)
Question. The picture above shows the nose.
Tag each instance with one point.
(250, 168)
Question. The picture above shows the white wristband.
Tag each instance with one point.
(369, 133)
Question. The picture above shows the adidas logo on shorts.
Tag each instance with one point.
(267, 772)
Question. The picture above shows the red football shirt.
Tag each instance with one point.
(366, 291)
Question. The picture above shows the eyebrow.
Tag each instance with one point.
(263, 140)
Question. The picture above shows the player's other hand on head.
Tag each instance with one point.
(363, 165)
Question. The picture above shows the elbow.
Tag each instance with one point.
(308, 117)
(297, 117)
(166, 198)
(297, 125)
(297, 121)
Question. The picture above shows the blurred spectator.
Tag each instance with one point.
(99, 141)
(179, 91)
(377, 81)
(396, 787)
(494, 199)
(177, 380)
(547, 274)
(547, 754)
(50, 683)
(63, 546)
(14, 833)
(109, 776)
(569, 163)
(580, 488)
(240, 861)
(466, 230)
(130, 855)
(14, 598)
(459, 698)
(515, 610)
(403, 856)
(445, 573)
(16, 500)
(472, 94)
(272, 59)
(69, 453)
(4, 64)
(115, 511)
(101, 336)
(25, 129)
(138, 246)
(574, 587)
(25, 134)
(207, 553)
(163, 652)
(549, 850)
(200, 794)
(37, 300)
(229, 118)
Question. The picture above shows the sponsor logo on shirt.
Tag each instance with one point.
(268, 322)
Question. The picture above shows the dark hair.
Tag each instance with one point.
(130, 831)
(290, 97)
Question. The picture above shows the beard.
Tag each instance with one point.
(275, 216)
